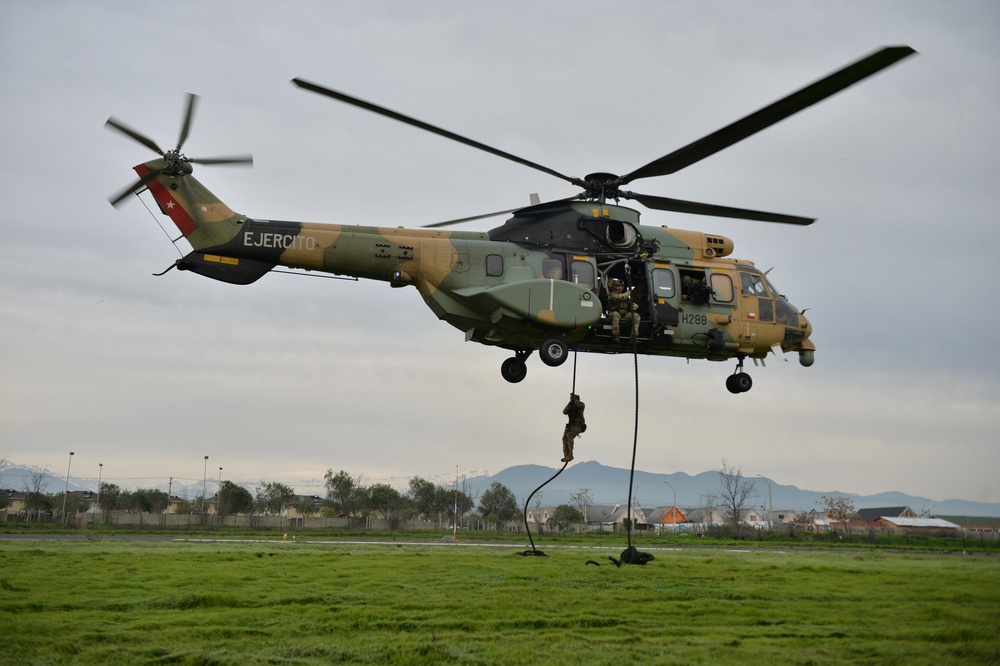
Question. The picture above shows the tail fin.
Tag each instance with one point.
(204, 220)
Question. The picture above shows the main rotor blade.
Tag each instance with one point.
(499, 212)
(137, 185)
(448, 223)
(374, 108)
(234, 159)
(132, 134)
(771, 114)
(186, 126)
(695, 208)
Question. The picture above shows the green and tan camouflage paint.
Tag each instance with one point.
(517, 307)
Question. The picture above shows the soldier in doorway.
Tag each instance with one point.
(620, 306)
(574, 426)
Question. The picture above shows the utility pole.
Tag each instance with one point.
(204, 488)
(770, 505)
(100, 475)
(673, 510)
(454, 525)
(66, 490)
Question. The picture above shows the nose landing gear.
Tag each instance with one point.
(739, 381)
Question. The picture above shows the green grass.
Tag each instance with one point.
(714, 538)
(125, 601)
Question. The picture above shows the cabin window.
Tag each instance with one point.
(663, 283)
(694, 287)
(552, 269)
(722, 287)
(494, 265)
(584, 273)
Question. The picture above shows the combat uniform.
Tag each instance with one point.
(620, 305)
(576, 424)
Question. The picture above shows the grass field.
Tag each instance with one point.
(185, 602)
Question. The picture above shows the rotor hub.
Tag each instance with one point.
(601, 186)
(176, 162)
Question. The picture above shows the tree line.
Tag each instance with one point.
(346, 496)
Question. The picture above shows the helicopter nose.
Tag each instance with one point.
(806, 325)
(806, 356)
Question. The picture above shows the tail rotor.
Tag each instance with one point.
(174, 162)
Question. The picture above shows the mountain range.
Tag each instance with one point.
(609, 485)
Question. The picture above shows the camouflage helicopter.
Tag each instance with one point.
(542, 280)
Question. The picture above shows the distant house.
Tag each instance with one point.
(919, 524)
(779, 518)
(871, 516)
(314, 502)
(176, 504)
(975, 524)
(86, 500)
(815, 521)
(15, 501)
(665, 517)
(702, 518)
(540, 514)
(608, 518)
(752, 518)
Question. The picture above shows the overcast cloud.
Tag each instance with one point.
(291, 376)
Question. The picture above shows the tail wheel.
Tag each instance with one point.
(553, 352)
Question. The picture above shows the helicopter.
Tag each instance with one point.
(544, 279)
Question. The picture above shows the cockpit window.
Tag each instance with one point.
(753, 284)
(770, 285)
(786, 313)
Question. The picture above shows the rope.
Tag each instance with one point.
(635, 443)
(535, 551)
(630, 555)
(574, 372)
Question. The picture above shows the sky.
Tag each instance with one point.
(142, 377)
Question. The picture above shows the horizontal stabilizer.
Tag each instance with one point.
(224, 269)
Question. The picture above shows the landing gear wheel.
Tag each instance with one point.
(739, 383)
(513, 369)
(553, 352)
